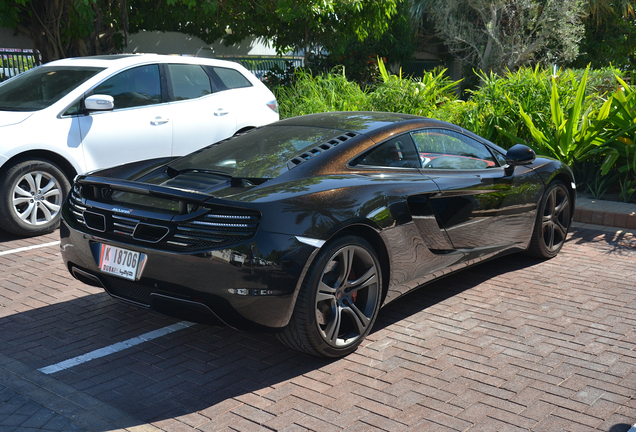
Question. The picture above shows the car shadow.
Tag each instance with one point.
(449, 286)
(178, 374)
(196, 368)
(6, 238)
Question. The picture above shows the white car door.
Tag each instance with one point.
(200, 114)
(138, 128)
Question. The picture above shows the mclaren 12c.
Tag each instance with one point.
(306, 226)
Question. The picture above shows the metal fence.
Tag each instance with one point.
(261, 65)
(15, 61)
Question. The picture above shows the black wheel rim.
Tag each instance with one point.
(347, 296)
(556, 219)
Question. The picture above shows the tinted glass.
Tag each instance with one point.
(41, 87)
(231, 78)
(444, 149)
(261, 153)
(398, 152)
(134, 87)
(188, 81)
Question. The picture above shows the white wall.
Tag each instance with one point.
(178, 43)
(162, 43)
(8, 40)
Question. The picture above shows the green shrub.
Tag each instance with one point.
(419, 96)
(334, 92)
(313, 94)
(494, 117)
(618, 131)
(586, 118)
(585, 134)
(492, 114)
(616, 137)
(568, 135)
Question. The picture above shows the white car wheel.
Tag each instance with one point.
(32, 195)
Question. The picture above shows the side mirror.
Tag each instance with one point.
(520, 155)
(99, 103)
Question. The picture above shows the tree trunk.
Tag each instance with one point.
(47, 22)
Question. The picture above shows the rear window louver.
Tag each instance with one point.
(292, 163)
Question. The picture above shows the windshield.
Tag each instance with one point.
(41, 87)
(262, 153)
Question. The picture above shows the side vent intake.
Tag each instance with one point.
(150, 233)
(292, 163)
(95, 221)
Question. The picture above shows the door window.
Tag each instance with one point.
(134, 87)
(229, 78)
(398, 152)
(444, 149)
(188, 81)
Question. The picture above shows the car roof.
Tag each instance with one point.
(376, 125)
(363, 122)
(124, 60)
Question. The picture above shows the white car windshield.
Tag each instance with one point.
(41, 87)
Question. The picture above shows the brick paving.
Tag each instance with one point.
(512, 344)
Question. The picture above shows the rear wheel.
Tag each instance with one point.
(31, 196)
(338, 301)
(553, 222)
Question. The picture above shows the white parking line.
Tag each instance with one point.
(120, 346)
(22, 249)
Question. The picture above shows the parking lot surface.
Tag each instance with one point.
(512, 344)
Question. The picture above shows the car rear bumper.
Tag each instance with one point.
(211, 287)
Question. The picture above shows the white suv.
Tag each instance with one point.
(75, 115)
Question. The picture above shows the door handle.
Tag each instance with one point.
(159, 121)
(221, 112)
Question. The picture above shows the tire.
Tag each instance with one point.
(31, 197)
(332, 318)
(553, 222)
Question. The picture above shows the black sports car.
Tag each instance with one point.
(306, 226)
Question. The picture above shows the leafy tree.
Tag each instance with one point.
(67, 28)
(601, 11)
(610, 35)
(505, 34)
(310, 25)
(359, 58)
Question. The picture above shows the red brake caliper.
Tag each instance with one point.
(352, 277)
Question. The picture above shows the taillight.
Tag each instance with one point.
(273, 105)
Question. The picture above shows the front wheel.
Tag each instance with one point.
(338, 301)
(553, 222)
(31, 196)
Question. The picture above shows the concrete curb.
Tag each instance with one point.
(605, 213)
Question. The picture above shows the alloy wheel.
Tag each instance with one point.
(37, 197)
(556, 217)
(347, 296)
